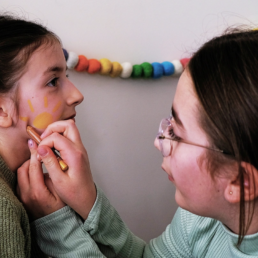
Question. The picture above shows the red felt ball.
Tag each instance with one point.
(82, 64)
(94, 66)
(184, 61)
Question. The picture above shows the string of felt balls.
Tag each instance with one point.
(125, 70)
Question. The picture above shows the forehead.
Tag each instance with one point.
(185, 100)
(49, 54)
(186, 105)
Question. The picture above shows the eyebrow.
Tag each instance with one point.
(176, 117)
(54, 69)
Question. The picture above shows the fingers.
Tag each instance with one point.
(22, 175)
(50, 185)
(36, 178)
(67, 128)
(50, 161)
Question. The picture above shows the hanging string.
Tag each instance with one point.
(104, 66)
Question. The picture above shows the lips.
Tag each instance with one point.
(170, 177)
(70, 117)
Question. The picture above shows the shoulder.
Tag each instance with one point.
(11, 209)
(7, 196)
(197, 231)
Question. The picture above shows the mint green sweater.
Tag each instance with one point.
(104, 234)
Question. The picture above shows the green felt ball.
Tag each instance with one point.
(147, 69)
(137, 71)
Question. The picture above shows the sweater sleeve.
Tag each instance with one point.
(104, 234)
(174, 241)
(12, 239)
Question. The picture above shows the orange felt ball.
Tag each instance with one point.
(82, 64)
(94, 66)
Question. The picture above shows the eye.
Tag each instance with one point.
(67, 75)
(53, 82)
(173, 135)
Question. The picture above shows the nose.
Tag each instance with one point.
(156, 143)
(74, 95)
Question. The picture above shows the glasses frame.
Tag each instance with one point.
(161, 137)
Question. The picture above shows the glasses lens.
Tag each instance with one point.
(165, 144)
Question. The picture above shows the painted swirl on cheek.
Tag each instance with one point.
(43, 119)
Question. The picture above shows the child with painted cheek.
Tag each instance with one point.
(35, 91)
(209, 145)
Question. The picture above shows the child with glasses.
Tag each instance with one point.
(210, 153)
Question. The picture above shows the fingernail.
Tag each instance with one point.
(30, 143)
(42, 151)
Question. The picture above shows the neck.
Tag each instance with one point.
(13, 148)
(232, 220)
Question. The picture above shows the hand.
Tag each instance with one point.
(75, 186)
(35, 189)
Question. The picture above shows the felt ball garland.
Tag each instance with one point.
(125, 70)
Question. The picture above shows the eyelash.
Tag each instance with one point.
(173, 135)
(53, 81)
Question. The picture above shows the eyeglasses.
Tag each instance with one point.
(166, 133)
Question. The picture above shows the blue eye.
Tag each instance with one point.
(53, 83)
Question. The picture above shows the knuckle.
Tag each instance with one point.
(20, 170)
(70, 122)
(49, 161)
(33, 166)
(55, 134)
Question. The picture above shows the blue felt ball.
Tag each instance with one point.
(168, 68)
(157, 70)
(65, 54)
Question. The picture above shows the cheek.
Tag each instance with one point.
(42, 111)
(186, 171)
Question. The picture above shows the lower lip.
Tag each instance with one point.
(170, 178)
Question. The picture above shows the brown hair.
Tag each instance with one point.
(18, 40)
(224, 72)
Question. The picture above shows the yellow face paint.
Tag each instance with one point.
(56, 106)
(30, 105)
(25, 119)
(43, 119)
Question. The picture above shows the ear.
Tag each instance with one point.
(6, 111)
(233, 189)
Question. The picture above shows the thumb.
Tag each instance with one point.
(50, 161)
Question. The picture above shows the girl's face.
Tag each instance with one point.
(195, 189)
(45, 94)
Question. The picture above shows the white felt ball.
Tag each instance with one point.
(178, 67)
(127, 70)
(72, 60)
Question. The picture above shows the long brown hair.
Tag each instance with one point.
(225, 75)
(18, 40)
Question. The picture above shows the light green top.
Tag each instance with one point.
(104, 234)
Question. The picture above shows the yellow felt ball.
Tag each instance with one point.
(106, 66)
(116, 69)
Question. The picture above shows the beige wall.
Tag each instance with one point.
(118, 119)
